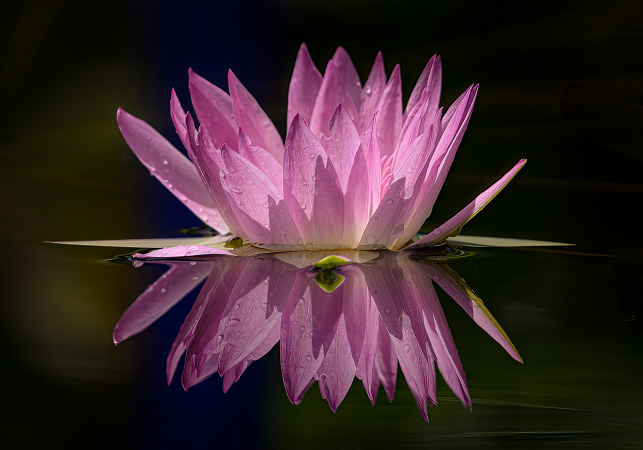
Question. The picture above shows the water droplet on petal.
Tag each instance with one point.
(436, 278)
(192, 263)
(436, 231)
(387, 311)
(163, 290)
(371, 239)
(407, 348)
(309, 358)
(165, 163)
(389, 202)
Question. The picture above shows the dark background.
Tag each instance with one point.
(560, 84)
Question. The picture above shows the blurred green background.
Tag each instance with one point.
(560, 84)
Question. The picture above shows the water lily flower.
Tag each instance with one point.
(335, 317)
(356, 170)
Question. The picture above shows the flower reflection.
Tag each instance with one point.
(335, 318)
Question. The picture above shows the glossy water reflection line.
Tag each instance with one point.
(359, 319)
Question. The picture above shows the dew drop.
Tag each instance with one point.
(436, 278)
(371, 239)
(387, 311)
(165, 163)
(359, 84)
(407, 348)
(376, 218)
(369, 91)
(309, 358)
(311, 156)
(389, 202)
(169, 186)
(375, 292)
(163, 290)
(192, 263)
(436, 231)
(264, 306)
(195, 278)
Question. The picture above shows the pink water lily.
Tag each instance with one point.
(356, 171)
(335, 320)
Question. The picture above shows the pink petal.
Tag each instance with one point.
(262, 159)
(230, 376)
(437, 328)
(456, 287)
(332, 92)
(181, 251)
(386, 361)
(298, 364)
(208, 337)
(190, 376)
(256, 202)
(342, 144)
(355, 308)
(160, 297)
(178, 118)
(171, 168)
(366, 364)
(389, 123)
(186, 333)
(208, 159)
(326, 311)
(419, 122)
(401, 315)
(453, 131)
(304, 86)
(357, 201)
(338, 368)
(253, 119)
(453, 226)
(371, 148)
(387, 222)
(248, 324)
(417, 378)
(430, 77)
(348, 75)
(214, 109)
(372, 92)
(312, 189)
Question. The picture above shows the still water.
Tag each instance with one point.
(577, 388)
